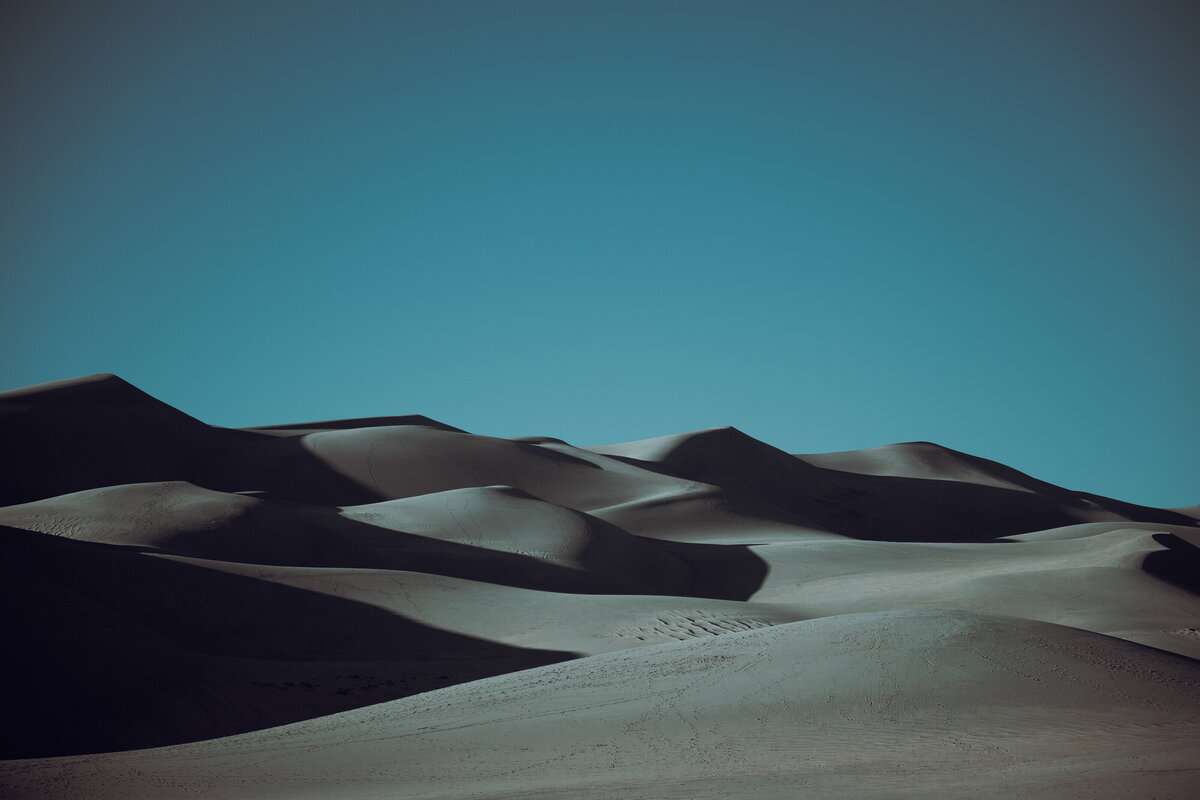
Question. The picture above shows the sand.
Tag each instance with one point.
(394, 607)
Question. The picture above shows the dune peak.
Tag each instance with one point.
(289, 608)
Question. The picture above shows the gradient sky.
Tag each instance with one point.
(834, 225)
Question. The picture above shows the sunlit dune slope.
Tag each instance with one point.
(898, 493)
(436, 613)
(894, 704)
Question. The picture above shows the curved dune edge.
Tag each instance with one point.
(566, 621)
(897, 704)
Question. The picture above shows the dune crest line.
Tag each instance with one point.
(393, 606)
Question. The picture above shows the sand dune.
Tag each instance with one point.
(95, 431)
(899, 493)
(496, 534)
(1130, 580)
(892, 704)
(116, 648)
(928, 460)
(434, 613)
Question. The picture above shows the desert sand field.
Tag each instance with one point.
(396, 608)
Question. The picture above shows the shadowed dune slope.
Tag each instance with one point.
(1133, 580)
(111, 648)
(184, 519)
(301, 428)
(695, 615)
(96, 431)
(968, 499)
(491, 534)
(100, 431)
(900, 704)
(585, 624)
(929, 460)
(356, 466)
(397, 461)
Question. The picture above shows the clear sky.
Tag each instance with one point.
(833, 225)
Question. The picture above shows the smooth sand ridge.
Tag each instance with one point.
(1133, 580)
(112, 648)
(171, 581)
(734, 484)
(98, 430)
(928, 460)
(897, 704)
(115, 647)
(159, 611)
(394, 462)
(1192, 512)
(354, 466)
(301, 428)
(579, 623)
(442, 533)
(913, 506)
(493, 534)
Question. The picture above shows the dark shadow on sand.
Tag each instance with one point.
(889, 508)
(110, 649)
(281, 467)
(100, 433)
(1179, 564)
(900, 509)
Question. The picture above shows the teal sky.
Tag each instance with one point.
(834, 225)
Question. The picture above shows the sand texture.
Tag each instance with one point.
(396, 608)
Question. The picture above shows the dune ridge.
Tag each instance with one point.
(443, 614)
